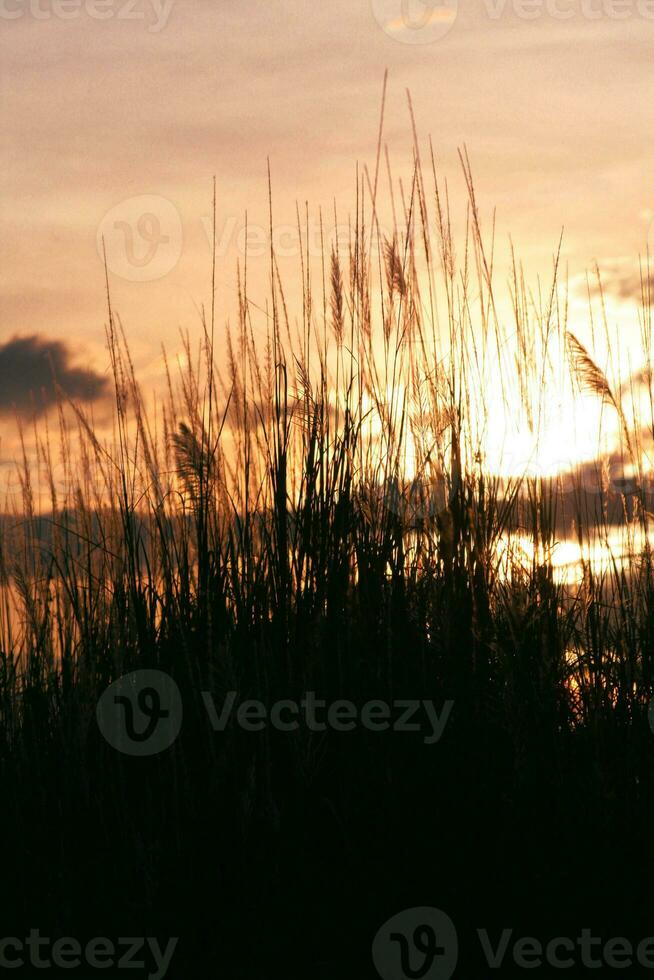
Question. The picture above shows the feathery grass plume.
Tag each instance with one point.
(305, 408)
(593, 380)
(192, 460)
(590, 377)
(337, 298)
(395, 279)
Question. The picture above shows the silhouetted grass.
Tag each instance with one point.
(262, 531)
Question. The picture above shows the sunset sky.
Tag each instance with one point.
(106, 121)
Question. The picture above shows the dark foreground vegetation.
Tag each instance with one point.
(261, 535)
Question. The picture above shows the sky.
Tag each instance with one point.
(117, 114)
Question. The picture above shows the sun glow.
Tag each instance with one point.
(571, 431)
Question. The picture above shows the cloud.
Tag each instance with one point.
(624, 280)
(33, 367)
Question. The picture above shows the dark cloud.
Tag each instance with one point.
(31, 370)
(625, 281)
